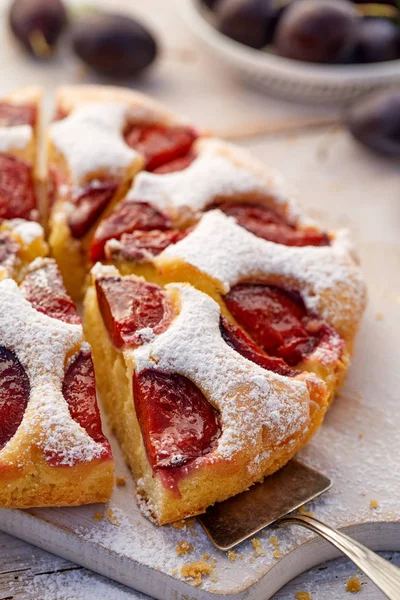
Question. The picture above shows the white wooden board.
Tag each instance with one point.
(29, 573)
(358, 446)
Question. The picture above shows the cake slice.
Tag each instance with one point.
(52, 449)
(100, 139)
(197, 409)
(19, 133)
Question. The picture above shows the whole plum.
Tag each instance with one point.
(377, 40)
(250, 22)
(322, 31)
(114, 45)
(38, 24)
(374, 121)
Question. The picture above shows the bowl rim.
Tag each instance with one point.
(283, 67)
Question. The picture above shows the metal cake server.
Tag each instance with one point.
(230, 522)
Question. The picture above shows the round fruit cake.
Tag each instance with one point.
(221, 319)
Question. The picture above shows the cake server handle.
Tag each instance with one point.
(385, 575)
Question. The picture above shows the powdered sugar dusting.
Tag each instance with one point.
(27, 231)
(80, 585)
(219, 171)
(192, 346)
(15, 138)
(91, 139)
(42, 344)
(234, 254)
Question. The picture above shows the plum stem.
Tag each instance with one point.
(39, 45)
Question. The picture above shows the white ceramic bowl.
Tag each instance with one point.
(294, 80)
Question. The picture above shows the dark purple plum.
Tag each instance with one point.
(210, 3)
(321, 31)
(377, 40)
(374, 121)
(250, 22)
(38, 24)
(113, 45)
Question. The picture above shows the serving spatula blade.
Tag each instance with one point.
(230, 522)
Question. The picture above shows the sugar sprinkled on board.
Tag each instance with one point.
(80, 585)
(155, 546)
(91, 140)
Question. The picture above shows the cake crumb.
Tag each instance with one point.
(231, 554)
(303, 596)
(190, 523)
(98, 516)
(251, 559)
(258, 551)
(184, 548)
(193, 533)
(363, 493)
(353, 585)
(379, 316)
(120, 481)
(196, 570)
(111, 517)
(373, 504)
(174, 572)
(361, 435)
(303, 511)
(206, 556)
(240, 556)
(275, 542)
(179, 524)
(213, 577)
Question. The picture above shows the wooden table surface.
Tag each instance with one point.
(190, 82)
